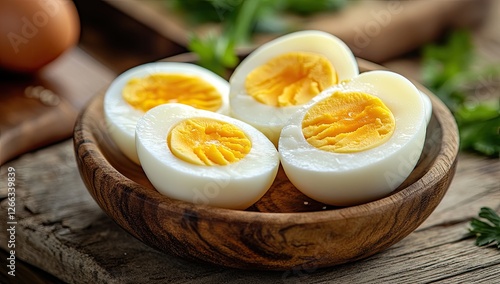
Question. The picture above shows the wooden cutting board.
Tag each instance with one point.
(41, 109)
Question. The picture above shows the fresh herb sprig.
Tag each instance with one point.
(239, 19)
(487, 230)
(217, 52)
(308, 7)
(202, 11)
(451, 72)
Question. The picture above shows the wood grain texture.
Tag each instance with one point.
(62, 231)
(276, 233)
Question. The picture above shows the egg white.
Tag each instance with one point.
(121, 117)
(235, 186)
(269, 119)
(428, 106)
(344, 179)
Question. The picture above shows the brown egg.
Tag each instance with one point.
(33, 33)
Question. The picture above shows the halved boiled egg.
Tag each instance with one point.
(204, 157)
(277, 78)
(355, 142)
(143, 87)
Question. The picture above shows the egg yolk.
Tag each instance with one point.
(290, 79)
(348, 122)
(148, 92)
(205, 141)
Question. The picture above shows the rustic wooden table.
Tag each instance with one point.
(62, 231)
(61, 235)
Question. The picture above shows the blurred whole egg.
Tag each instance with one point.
(34, 33)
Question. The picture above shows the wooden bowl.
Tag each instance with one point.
(284, 229)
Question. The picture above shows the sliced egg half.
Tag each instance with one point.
(205, 158)
(143, 87)
(277, 78)
(355, 142)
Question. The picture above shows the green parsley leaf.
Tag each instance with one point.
(488, 231)
(479, 126)
(449, 70)
(308, 7)
(217, 52)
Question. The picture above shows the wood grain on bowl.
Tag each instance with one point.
(284, 229)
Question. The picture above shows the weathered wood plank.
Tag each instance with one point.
(61, 230)
(26, 273)
(476, 184)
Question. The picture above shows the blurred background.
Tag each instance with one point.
(123, 33)
(74, 48)
(451, 46)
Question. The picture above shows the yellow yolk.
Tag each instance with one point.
(148, 92)
(348, 122)
(290, 79)
(205, 141)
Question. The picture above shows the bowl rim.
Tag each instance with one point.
(440, 166)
